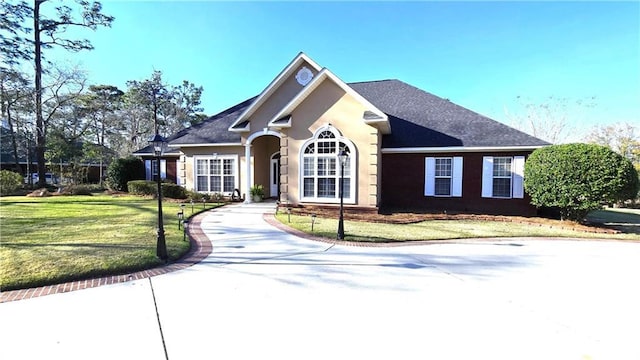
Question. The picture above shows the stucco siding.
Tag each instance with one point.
(330, 105)
(278, 100)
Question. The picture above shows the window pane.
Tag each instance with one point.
(215, 184)
(309, 167)
(229, 183)
(201, 183)
(443, 186)
(443, 167)
(214, 167)
(310, 149)
(326, 135)
(326, 166)
(201, 167)
(228, 166)
(347, 187)
(502, 166)
(326, 147)
(502, 187)
(327, 187)
(309, 184)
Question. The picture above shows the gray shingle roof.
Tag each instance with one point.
(417, 118)
(421, 119)
(215, 129)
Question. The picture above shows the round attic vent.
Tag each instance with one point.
(304, 76)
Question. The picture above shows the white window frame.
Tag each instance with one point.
(350, 174)
(517, 177)
(235, 173)
(456, 176)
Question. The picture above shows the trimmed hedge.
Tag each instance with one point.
(145, 187)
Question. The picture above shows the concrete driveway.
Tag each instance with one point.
(267, 294)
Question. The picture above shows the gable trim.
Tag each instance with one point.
(427, 150)
(380, 118)
(273, 86)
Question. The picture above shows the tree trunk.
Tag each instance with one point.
(40, 130)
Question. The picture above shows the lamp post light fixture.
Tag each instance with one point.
(342, 157)
(161, 246)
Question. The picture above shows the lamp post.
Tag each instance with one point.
(161, 246)
(342, 157)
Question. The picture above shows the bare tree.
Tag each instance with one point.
(622, 138)
(548, 120)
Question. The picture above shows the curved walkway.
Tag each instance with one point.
(265, 293)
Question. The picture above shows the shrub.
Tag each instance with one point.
(144, 187)
(173, 191)
(196, 196)
(77, 190)
(578, 178)
(9, 182)
(123, 170)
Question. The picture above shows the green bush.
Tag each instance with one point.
(578, 178)
(77, 190)
(144, 187)
(173, 191)
(9, 182)
(123, 170)
(196, 196)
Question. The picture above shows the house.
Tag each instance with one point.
(407, 148)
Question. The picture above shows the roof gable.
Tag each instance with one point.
(372, 115)
(275, 84)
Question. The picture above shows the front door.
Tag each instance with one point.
(275, 176)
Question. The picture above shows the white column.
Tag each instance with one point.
(248, 175)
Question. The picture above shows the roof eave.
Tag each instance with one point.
(452, 149)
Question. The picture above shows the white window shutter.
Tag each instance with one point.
(518, 177)
(487, 176)
(456, 179)
(163, 169)
(429, 176)
(147, 170)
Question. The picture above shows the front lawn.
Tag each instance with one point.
(56, 239)
(436, 230)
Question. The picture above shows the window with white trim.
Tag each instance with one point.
(320, 180)
(151, 169)
(216, 174)
(443, 176)
(502, 177)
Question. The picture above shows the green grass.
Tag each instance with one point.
(51, 240)
(434, 230)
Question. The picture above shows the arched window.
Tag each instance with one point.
(320, 173)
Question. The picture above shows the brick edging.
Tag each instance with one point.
(200, 248)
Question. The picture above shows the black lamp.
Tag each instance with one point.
(158, 143)
(343, 156)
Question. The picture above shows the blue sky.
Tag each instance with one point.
(481, 55)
